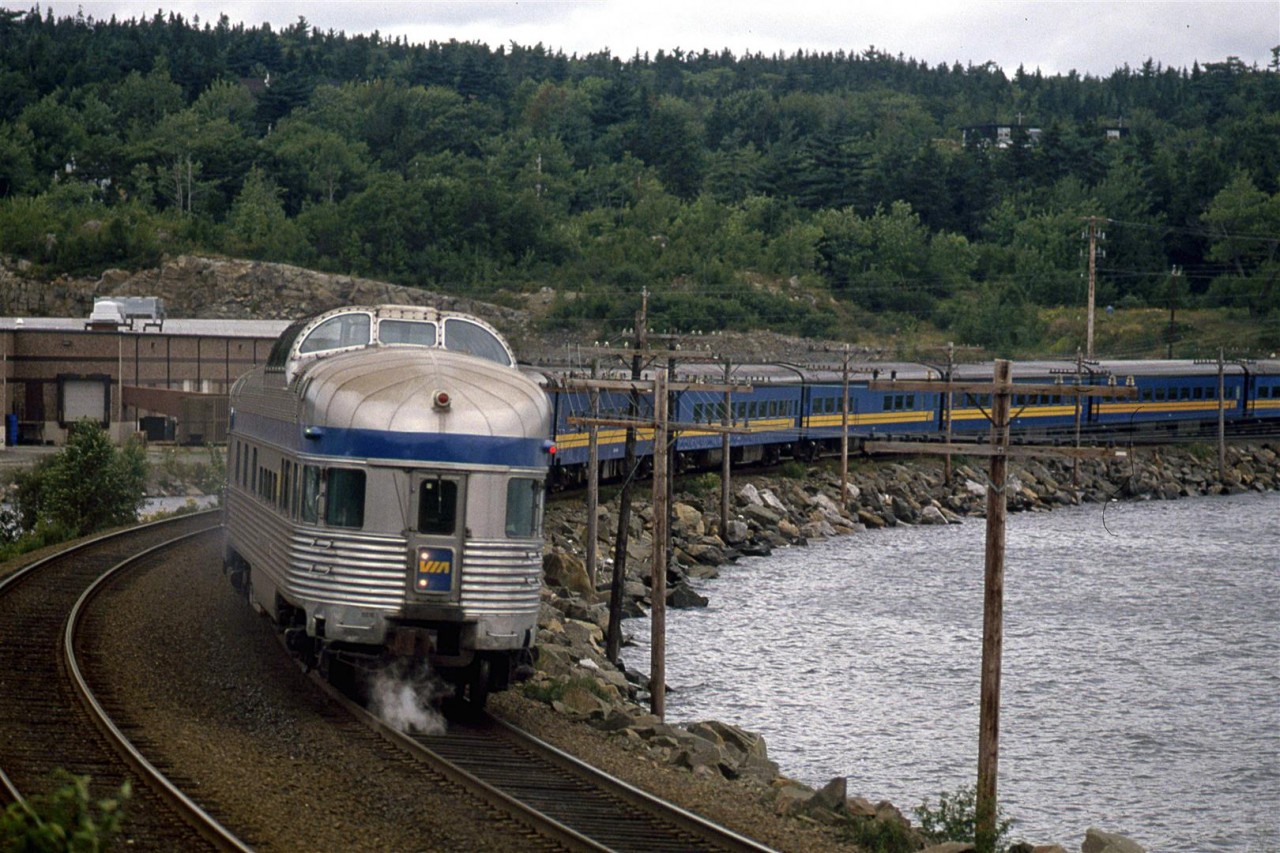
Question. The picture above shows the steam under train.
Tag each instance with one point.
(386, 474)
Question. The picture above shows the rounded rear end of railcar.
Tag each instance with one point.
(386, 502)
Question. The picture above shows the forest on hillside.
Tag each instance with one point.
(814, 193)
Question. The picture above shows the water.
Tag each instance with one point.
(153, 506)
(1141, 671)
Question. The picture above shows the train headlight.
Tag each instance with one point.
(549, 447)
(441, 400)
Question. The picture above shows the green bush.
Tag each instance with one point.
(173, 471)
(89, 485)
(881, 836)
(703, 484)
(554, 690)
(793, 470)
(956, 819)
(66, 820)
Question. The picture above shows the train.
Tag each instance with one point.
(794, 411)
(388, 466)
(386, 474)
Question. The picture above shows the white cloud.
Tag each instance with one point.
(1090, 36)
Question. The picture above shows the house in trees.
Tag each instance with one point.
(1000, 135)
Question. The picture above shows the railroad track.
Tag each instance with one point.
(49, 716)
(568, 801)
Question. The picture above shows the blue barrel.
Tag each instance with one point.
(11, 430)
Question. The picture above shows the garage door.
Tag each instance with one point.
(83, 398)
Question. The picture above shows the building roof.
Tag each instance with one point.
(173, 326)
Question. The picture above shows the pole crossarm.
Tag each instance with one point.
(647, 385)
(674, 426)
(1013, 451)
(647, 353)
(1015, 388)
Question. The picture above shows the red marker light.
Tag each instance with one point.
(441, 399)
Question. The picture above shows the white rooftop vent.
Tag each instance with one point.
(107, 313)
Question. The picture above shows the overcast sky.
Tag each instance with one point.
(1055, 36)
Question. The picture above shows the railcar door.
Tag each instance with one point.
(436, 534)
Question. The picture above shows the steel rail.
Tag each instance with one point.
(688, 821)
(208, 828)
(546, 826)
(10, 788)
(691, 830)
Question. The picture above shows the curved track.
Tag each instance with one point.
(566, 800)
(49, 718)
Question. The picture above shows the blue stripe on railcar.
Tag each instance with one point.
(407, 446)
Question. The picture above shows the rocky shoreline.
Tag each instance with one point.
(792, 507)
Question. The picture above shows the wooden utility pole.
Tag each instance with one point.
(1174, 274)
(844, 431)
(593, 480)
(1222, 418)
(663, 430)
(658, 579)
(993, 611)
(1001, 388)
(726, 467)
(946, 415)
(1222, 361)
(1093, 235)
(1081, 368)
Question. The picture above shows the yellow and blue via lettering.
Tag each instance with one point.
(435, 570)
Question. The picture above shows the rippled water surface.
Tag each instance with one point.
(1141, 677)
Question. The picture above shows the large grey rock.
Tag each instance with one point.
(568, 571)
(681, 597)
(687, 520)
(762, 515)
(932, 515)
(736, 531)
(1097, 841)
(773, 501)
(832, 795)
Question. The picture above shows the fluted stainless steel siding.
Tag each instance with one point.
(352, 568)
(501, 577)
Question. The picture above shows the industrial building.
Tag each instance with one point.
(129, 368)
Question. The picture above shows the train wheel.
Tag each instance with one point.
(478, 685)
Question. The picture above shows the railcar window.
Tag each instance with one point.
(464, 336)
(407, 332)
(344, 330)
(280, 350)
(438, 507)
(911, 401)
(310, 494)
(524, 504)
(344, 498)
(888, 403)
